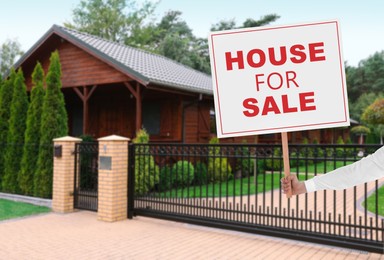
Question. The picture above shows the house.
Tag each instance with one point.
(110, 88)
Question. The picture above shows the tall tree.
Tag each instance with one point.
(126, 22)
(32, 132)
(115, 20)
(6, 93)
(53, 125)
(367, 77)
(374, 114)
(357, 108)
(15, 138)
(9, 51)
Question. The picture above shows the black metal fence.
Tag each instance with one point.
(238, 187)
(86, 176)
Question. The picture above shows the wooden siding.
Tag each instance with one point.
(81, 69)
(78, 68)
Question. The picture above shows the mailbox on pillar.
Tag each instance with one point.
(58, 151)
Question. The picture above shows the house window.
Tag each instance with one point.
(151, 117)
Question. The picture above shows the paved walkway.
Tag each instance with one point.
(80, 236)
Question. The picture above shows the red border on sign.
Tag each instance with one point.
(285, 127)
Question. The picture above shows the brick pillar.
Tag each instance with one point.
(63, 174)
(113, 178)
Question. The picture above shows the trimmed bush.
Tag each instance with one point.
(219, 168)
(146, 170)
(165, 180)
(183, 173)
(244, 162)
(201, 173)
(275, 163)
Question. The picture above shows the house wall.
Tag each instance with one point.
(78, 67)
(196, 122)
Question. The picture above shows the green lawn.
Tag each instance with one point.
(320, 167)
(11, 209)
(243, 186)
(371, 202)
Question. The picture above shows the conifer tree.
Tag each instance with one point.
(6, 93)
(53, 125)
(32, 132)
(15, 139)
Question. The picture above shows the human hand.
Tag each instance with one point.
(291, 185)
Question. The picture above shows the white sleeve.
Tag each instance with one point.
(367, 169)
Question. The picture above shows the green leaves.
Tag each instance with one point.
(32, 133)
(53, 124)
(15, 136)
(374, 114)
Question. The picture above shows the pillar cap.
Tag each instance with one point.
(67, 139)
(113, 138)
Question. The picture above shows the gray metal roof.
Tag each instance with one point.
(147, 67)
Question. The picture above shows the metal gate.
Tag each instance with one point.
(86, 176)
(238, 187)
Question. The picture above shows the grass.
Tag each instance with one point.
(238, 187)
(11, 209)
(320, 167)
(371, 202)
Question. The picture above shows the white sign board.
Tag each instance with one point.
(278, 79)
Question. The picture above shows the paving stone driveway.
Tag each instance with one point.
(80, 236)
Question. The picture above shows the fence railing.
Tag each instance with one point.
(238, 187)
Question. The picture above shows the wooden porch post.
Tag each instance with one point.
(85, 97)
(137, 94)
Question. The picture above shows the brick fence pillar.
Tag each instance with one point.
(63, 174)
(113, 178)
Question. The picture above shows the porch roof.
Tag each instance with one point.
(143, 66)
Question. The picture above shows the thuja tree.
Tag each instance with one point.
(32, 133)
(53, 125)
(146, 170)
(15, 139)
(6, 93)
(219, 168)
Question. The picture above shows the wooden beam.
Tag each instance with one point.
(78, 92)
(84, 96)
(85, 111)
(131, 89)
(138, 107)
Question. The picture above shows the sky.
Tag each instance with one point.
(361, 22)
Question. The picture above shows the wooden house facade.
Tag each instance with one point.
(110, 88)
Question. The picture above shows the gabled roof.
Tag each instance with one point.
(145, 67)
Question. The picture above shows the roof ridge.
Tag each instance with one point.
(127, 46)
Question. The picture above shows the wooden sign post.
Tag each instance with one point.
(278, 79)
(287, 168)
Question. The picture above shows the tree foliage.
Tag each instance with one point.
(115, 20)
(15, 137)
(374, 114)
(9, 51)
(6, 93)
(32, 132)
(146, 170)
(53, 125)
(135, 25)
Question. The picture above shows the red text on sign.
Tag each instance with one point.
(275, 80)
(306, 103)
(257, 58)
